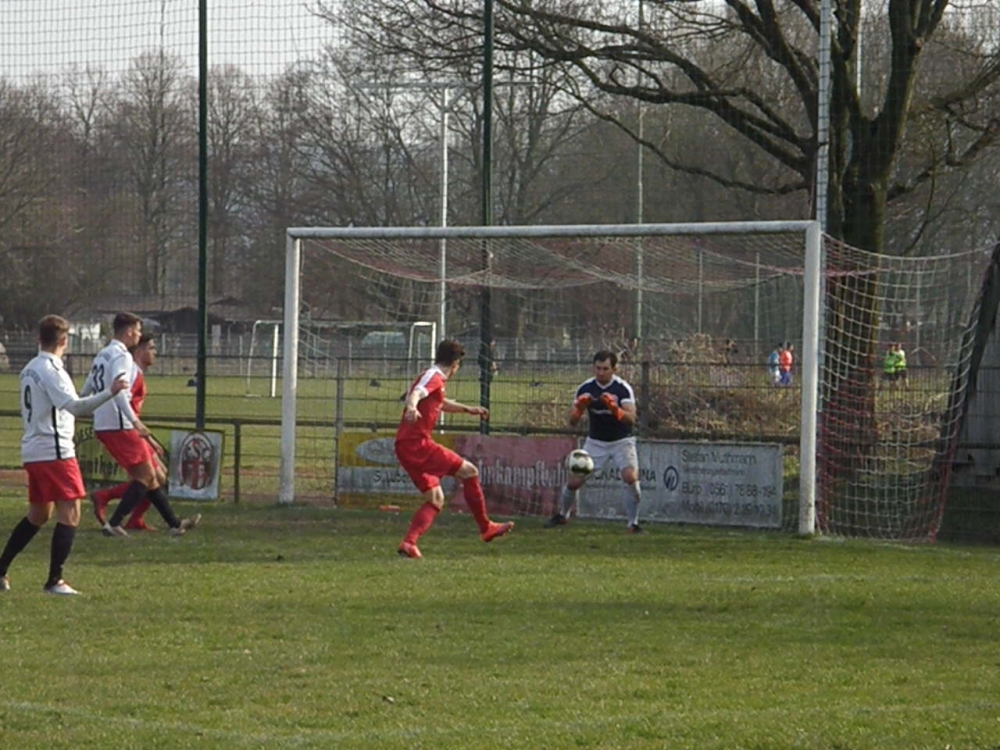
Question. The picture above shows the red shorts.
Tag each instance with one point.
(126, 447)
(426, 462)
(54, 481)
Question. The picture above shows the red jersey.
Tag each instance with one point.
(430, 384)
(785, 361)
(138, 391)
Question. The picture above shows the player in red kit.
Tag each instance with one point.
(426, 461)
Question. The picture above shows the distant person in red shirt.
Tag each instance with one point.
(785, 364)
(144, 355)
(426, 462)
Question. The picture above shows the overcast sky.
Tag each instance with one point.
(44, 37)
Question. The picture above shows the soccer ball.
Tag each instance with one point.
(580, 463)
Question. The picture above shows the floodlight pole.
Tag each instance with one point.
(443, 270)
(639, 200)
(201, 367)
(823, 113)
(485, 301)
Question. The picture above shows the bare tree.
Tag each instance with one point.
(153, 129)
(230, 114)
(764, 86)
(274, 193)
(36, 219)
(751, 67)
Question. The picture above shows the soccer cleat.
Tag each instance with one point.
(139, 524)
(100, 506)
(634, 528)
(557, 520)
(186, 524)
(408, 549)
(4, 584)
(496, 529)
(61, 588)
(109, 530)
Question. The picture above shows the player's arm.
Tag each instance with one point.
(454, 407)
(414, 397)
(88, 385)
(123, 398)
(579, 408)
(624, 412)
(66, 397)
(124, 367)
(629, 413)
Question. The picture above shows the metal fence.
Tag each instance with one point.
(677, 399)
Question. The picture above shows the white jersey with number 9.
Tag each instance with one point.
(46, 388)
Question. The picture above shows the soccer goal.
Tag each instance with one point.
(695, 311)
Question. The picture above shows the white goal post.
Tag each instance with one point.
(812, 261)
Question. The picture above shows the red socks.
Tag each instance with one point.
(139, 511)
(111, 493)
(424, 516)
(422, 519)
(476, 501)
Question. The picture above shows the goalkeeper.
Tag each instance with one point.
(609, 403)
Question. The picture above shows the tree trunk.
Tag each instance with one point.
(848, 428)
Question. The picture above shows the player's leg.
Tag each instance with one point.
(136, 491)
(472, 490)
(39, 512)
(425, 462)
(101, 499)
(126, 448)
(178, 526)
(423, 517)
(135, 455)
(19, 538)
(67, 521)
(627, 460)
(137, 520)
(569, 496)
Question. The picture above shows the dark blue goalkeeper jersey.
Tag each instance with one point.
(603, 425)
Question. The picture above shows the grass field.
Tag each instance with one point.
(299, 627)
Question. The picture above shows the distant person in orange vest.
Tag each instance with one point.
(785, 360)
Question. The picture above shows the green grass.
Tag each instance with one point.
(299, 627)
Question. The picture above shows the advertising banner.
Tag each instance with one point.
(520, 475)
(719, 484)
(368, 473)
(96, 465)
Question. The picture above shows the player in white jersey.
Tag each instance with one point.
(119, 430)
(609, 405)
(49, 405)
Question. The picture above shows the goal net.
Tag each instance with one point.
(366, 347)
(695, 312)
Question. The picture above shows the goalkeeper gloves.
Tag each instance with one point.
(581, 404)
(612, 405)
